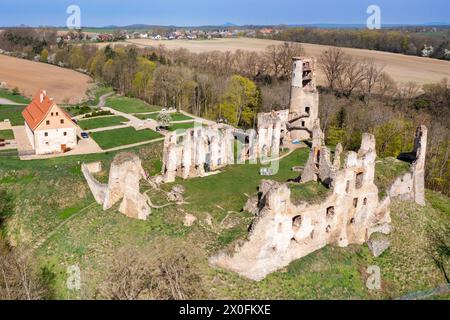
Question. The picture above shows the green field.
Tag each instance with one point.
(101, 122)
(13, 97)
(6, 134)
(120, 137)
(13, 113)
(176, 116)
(93, 236)
(130, 105)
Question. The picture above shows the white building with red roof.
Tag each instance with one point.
(49, 128)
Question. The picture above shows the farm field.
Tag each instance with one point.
(120, 137)
(102, 122)
(64, 85)
(401, 68)
(130, 105)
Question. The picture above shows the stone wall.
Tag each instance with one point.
(124, 183)
(411, 186)
(297, 122)
(283, 232)
(196, 152)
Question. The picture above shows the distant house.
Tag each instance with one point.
(49, 128)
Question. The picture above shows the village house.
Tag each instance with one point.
(49, 128)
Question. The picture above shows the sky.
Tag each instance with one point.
(98, 13)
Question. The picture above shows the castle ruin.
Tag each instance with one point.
(124, 176)
(297, 122)
(282, 231)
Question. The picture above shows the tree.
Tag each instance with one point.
(371, 76)
(164, 119)
(241, 102)
(333, 62)
(44, 55)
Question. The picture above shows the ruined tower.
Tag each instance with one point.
(304, 98)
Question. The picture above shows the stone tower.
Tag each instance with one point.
(304, 99)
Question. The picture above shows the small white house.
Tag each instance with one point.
(49, 128)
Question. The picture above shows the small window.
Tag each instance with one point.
(296, 223)
(359, 180)
(62, 121)
(46, 134)
(51, 114)
(355, 202)
(57, 113)
(330, 212)
(307, 110)
(303, 123)
(65, 133)
(47, 122)
(365, 201)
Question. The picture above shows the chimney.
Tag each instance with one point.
(41, 97)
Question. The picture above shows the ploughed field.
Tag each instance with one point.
(62, 84)
(401, 68)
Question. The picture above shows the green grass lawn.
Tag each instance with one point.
(102, 122)
(13, 113)
(130, 105)
(120, 137)
(183, 125)
(176, 116)
(6, 134)
(13, 97)
(387, 170)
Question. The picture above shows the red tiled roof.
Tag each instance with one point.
(37, 110)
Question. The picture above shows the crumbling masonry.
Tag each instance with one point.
(125, 174)
(297, 122)
(196, 152)
(283, 232)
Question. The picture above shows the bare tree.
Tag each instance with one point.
(18, 280)
(134, 276)
(333, 62)
(352, 76)
(372, 74)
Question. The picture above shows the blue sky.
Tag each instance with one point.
(204, 12)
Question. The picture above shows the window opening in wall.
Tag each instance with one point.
(359, 180)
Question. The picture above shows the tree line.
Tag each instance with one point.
(406, 41)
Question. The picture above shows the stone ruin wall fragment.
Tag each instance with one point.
(282, 231)
(125, 174)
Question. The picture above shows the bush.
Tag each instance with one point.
(6, 205)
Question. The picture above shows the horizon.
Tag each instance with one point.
(97, 14)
